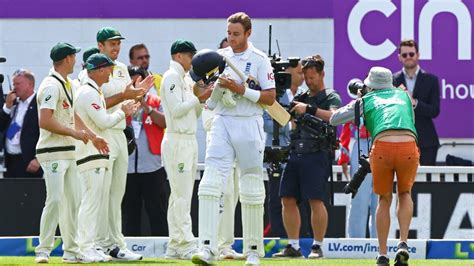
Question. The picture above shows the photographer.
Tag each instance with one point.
(308, 168)
(389, 118)
(295, 71)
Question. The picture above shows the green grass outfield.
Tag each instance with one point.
(282, 262)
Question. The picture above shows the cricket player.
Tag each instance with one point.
(118, 89)
(237, 133)
(90, 106)
(56, 152)
(229, 199)
(179, 147)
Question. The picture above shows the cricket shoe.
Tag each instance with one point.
(123, 254)
(253, 259)
(42, 257)
(204, 257)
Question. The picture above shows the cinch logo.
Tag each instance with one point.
(407, 13)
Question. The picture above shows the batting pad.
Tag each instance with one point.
(252, 197)
(210, 191)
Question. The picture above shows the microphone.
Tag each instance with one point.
(3, 59)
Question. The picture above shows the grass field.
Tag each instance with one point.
(277, 262)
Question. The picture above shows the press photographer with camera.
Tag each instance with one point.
(290, 86)
(306, 174)
(364, 203)
(389, 117)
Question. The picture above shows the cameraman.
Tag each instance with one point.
(389, 117)
(275, 209)
(307, 171)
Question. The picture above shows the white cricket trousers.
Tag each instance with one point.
(180, 155)
(227, 223)
(92, 186)
(61, 206)
(110, 219)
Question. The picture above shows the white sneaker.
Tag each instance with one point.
(189, 254)
(172, 254)
(230, 254)
(100, 252)
(80, 258)
(88, 254)
(123, 254)
(42, 257)
(253, 259)
(204, 257)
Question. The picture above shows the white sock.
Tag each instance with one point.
(319, 243)
(295, 243)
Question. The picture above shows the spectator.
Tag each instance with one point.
(19, 117)
(423, 89)
(139, 56)
(146, 180)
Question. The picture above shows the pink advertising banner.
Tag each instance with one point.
(367, 33)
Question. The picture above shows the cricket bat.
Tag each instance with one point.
(276, 111)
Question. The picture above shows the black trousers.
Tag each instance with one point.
(428, 155)
(16, 167)
(151, 191)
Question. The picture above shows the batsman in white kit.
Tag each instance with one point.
(236, 133)
(92, 165)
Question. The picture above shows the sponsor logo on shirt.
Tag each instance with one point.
(47, 98)
(270, 76)
(95, 106)
(66, 104)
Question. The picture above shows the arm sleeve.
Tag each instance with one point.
(430, 109)
(173, 91)
(334, 101)
(49, 98)
(343, 114)
(265, 75)
(345, 139)
(98, 114)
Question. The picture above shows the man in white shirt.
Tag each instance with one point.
(118, 89)
(179, 147)
(56, 152)
(237, 134)
(92, 165)
(19, 119)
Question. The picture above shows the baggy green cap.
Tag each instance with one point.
(61, 50)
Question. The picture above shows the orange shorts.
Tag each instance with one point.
(388, 158)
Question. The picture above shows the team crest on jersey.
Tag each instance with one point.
(54, 167)
(181, 167)
(247, 68)
(47, 98)
(96, 106)
(66, 104)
